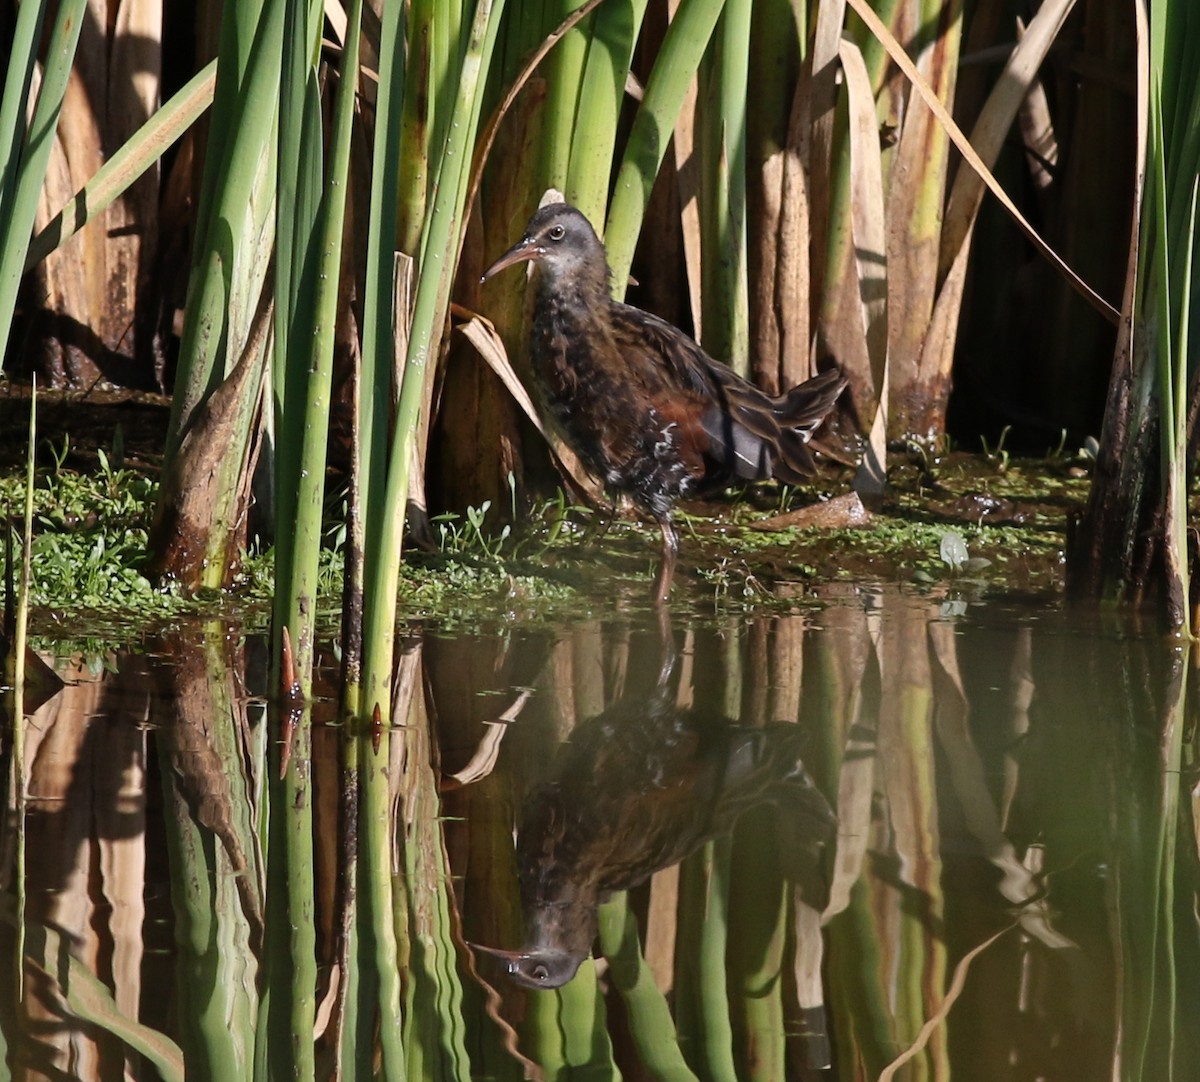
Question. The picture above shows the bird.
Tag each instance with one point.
(644, 407)
(635, 789)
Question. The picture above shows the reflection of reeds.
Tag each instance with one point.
(900, 970)
(72, 881)
(210, 794)
(434, 1040)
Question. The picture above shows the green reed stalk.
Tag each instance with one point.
(434, 1026)
(726, 295)
(541, 1033)
(298, 194)
(1160, 1011)
(564, 77)
(435, 1040)
(614, 32)
(650, 1022)
(307, 358)
(14, 105)
(682, 49)
(235, 219)
(312, 210)
(203, 500)
(443, 240)
(289, 949)
(214, 876)
(1172, 371)
(392, 943)
(1172, 171)
(24, 155)
(399, 136)
(375, 382)
(293, 803)
(20, 636)
(565, 1031)
(702, 996)
(862, 1012)
(758, 928)
(354, 1048)
(216, 1014)
(404, 93)
(587, 1046)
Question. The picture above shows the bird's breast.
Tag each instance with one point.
(613, 398)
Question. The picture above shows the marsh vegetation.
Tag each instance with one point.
(296, 532)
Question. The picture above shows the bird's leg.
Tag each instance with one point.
(666, 639)
(666, 570)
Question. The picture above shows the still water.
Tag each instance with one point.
(877, 835)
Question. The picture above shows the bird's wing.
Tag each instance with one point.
(751, 434)
(737, 427)
(677, 362)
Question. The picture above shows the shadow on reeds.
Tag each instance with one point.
(1011, 886)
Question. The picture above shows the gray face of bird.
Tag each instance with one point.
(540, 968)
(560, 241)
(544, 968)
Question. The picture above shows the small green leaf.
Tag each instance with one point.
(953, 550)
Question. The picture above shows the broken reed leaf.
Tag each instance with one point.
(897, 53)
(125, 166)
(481, 333)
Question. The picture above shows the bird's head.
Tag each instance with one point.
(561, 242)
(542, 967)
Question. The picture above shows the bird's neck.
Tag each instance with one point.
(576, 302)
(568, 925)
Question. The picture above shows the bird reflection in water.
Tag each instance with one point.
(636, 789)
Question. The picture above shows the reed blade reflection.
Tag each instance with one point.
(1012, 892)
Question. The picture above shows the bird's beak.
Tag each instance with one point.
(509, 958)
(523, 250)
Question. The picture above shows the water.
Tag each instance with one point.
(1008, 890)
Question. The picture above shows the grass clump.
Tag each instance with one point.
(89, 553)
(89, 545)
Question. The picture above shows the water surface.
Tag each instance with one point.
(920, 839)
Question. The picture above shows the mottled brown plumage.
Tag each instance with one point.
(644, 407)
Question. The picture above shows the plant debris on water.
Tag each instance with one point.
(969, 526)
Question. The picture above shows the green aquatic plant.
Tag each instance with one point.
(89, 544)
(998, 455)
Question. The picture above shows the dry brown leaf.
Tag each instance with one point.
(867, 207)
(870, 247)
(939, 1016)
(840, 512)
(490, 346)
(687, 173)
(483, 762)
(897, 53)
(793, 285)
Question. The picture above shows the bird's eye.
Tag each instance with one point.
(540, 973)
(557, 232)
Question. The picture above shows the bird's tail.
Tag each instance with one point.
(757, 436)
(800, 413)
(807, 404)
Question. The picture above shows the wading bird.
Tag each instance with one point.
(645, 408)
